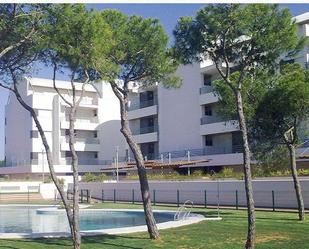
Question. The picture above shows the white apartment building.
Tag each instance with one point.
(96, 128)
(177, 122)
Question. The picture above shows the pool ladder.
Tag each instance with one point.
(184, 210)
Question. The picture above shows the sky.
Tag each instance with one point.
(168, 14)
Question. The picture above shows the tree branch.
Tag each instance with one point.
(56, 88)
(83, 88)
(6, 87)
(13, 46)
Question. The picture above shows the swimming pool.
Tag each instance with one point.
(29, 221)
(34, 219)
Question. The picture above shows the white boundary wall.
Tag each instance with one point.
(166, 192)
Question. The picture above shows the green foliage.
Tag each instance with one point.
(89, 177)
(270, 160)
(253, 89)
(71, 31)
(2, 163)
(249, 36)
(21, 30)
(285, 106)
(138, 51)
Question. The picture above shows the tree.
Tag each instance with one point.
(139, 54)
(23, 35)
(241, 38)
(280, 114)
(71, 30)
(21, 27)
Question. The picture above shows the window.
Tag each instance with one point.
(34, 155)
(67, 132)
(34, 134)
(96, 155)
(208, 141)
(68, 154)
(95, 113)
(146, 96)
(207, 80)
(207, 110)
(95, 135)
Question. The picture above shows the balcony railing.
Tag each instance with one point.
(93, 120)
(88, 140)
(212, 119)
(206, 89)
(145, 130)
(143, 104)
(88, 101)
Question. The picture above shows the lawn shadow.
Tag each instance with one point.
(106, 240)
(66, 242)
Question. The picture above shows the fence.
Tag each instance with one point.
(84, 195)
(236, 199)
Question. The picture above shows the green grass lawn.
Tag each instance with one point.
(274, 230)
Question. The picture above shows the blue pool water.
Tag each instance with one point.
(26, 219)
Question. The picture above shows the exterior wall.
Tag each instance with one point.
(109, 128)
(17, 132)
(96, 122)
(179, 112)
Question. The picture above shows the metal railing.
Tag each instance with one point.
(144, 130)
(206, 89)
(88, 140)
(234, 198)
(143, 104)
(81, 120)
(212, 119)
(88, 101)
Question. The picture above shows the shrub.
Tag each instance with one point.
(89, 177)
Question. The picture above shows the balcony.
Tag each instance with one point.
(215, 125)
(215, 150)
(81, 123)
(207, 95)
(144, 130)
(91, 103)
(146, 134)
(206, 89)
(82, 144)
(135, 105)
(143, 109)
(211, 119)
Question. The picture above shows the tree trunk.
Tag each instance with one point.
(74, 163)
(48, 156)
(126, 131)
(297, 186)
(247, 173)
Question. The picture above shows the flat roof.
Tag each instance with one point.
(61, 84)
(303, 18)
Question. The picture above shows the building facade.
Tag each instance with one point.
(96, 127)
(184, 122)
